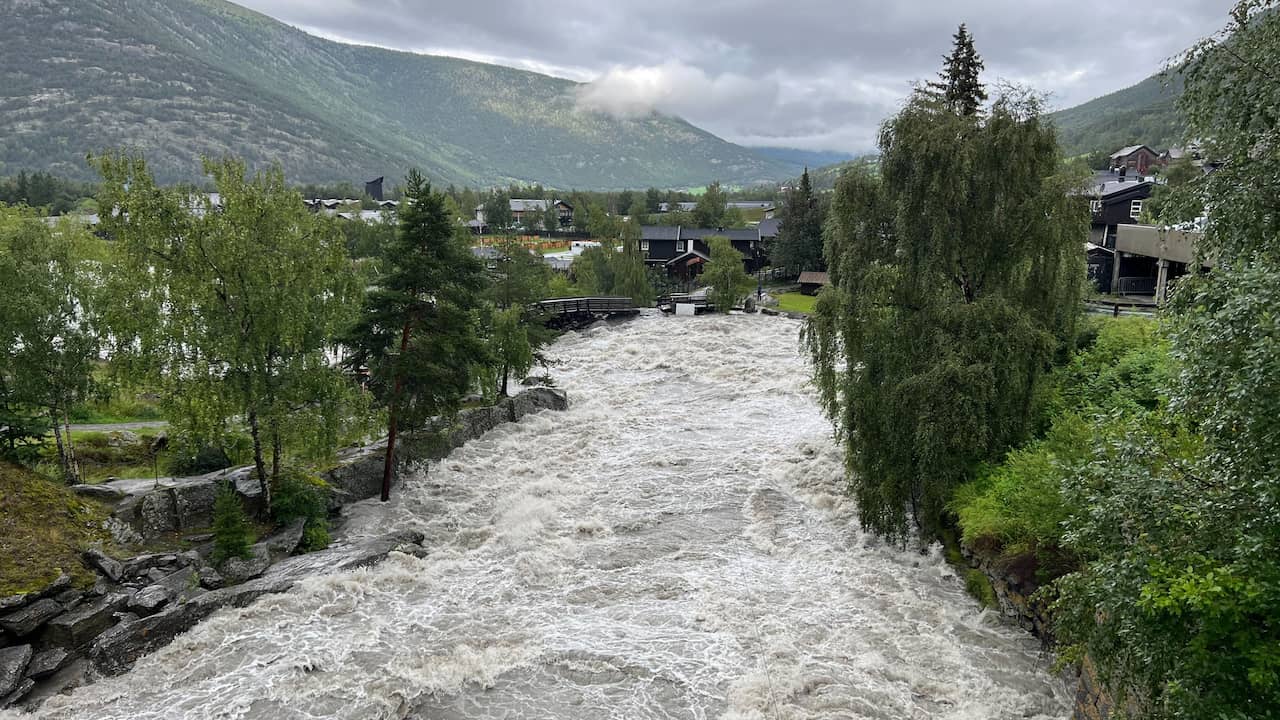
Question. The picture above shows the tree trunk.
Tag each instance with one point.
(275, 454)
(506, 370)
(389, 463)
(62, 449)
(258, 462)
(72, 463)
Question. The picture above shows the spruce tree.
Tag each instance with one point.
(799, 243)
(959, 86)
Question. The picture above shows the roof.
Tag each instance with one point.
(769, 228)
(660, 232)
(684, 206)
(815, 278)
(686, 256)
(1111, 189)
(751, 204)
(1126, 152)
(731, 233)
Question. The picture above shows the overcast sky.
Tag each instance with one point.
(811, 74)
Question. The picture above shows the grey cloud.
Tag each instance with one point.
(816, 74)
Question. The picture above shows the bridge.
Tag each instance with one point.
(572, 310)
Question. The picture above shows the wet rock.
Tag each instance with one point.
(117, 649)
(189, 558)
(13, 601)
(28, 619)
(285, 542)
(101, 493)
(46, 663)
(68, 597)
(155, 575)
(74, 675)
(79, 627)
(110, 567)
(150, 599)
(13, 667)
(23, 688)
(210, 579)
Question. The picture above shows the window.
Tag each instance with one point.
(1135, 209)
(679, 246)
(1095, 206)
(644, 246)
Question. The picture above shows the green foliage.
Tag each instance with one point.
(617, 268)
(727, 281)
(232, 534)
(956, 279)
(1145, 113)
(50, 327)
(1178, 515)
(958, 86)
(711, 208)
(418, 333)
(799, 244)
(231, 310)
(44, 528)
(211, 82)
(300, 495)
(43, 190)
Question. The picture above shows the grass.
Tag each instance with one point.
(43, 530)
(101, 456)
(796, 302)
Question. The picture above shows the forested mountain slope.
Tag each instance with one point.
(178, 78)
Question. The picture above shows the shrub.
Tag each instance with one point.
(232, 534)
(299, 495)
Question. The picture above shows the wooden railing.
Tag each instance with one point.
(589, 306)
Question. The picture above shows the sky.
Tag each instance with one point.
(808, 74)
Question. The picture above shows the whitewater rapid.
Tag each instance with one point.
(675, 545)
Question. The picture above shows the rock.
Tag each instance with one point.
(155, 575)
(47, 663)
(122, 533)
(210, 579)
(190, 558)
(13, 667)
(238, 570)
(74, 675)
(121, 438)
(23, 688)
(101, 493)
(155, 516)
(283, 543)
(57, 586)
(28, 619)
(106, 565)
(136, 566)
(117, 649)
(150, 599)
(13, 601)
(67, 597)
(768, 311)
(79, 627)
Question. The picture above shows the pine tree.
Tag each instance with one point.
(959, 86)
(418, 336)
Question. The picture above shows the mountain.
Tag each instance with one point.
(181, 78)
(807, 158)
(1146, 113)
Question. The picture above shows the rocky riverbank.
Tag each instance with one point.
(61, 636)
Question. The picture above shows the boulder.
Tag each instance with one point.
(69, 597)
(136, 566)
(79, 627)
(28, 619)
(117, 649)
(13, 667)
(23, 688)
(121, 533)
(74, 675)
(285, 542)
(210, 579)
(13, 601)
(101, 493)
(108, 566)
(150, 599)
(46, 663)
(122, 438)
(238, 570)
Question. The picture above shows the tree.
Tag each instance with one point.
(497, 212)
(956, 276)
(519, 279)
(630, 277)
(231, 308)
(711, 207)
(959, 86)
(550, 218)
(652, 200)
(49, 323)
(417, 335)
(799, 243)
(1179, 520)
(724, 275)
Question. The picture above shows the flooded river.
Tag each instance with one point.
(676, 545)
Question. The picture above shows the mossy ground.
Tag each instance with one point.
(44, 527)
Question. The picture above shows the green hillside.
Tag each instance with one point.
(1143, 114)
(178, 78)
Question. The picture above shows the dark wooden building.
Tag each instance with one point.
(1112, 204)
(683, 251)
(1135, 158)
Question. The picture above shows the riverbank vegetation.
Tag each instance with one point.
(1133, 464)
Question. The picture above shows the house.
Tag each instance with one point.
(683, 250)
(1112, 204)
(521, 208)
(1149, 258)
(812, 282)
(680, 207)
(1136, 158)
(768, 229)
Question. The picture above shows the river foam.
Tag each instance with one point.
(675, 545)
